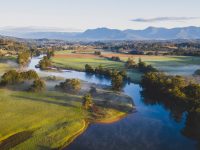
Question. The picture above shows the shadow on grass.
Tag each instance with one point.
(58, 101)
(14, 140)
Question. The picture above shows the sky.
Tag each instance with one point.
(79, 15)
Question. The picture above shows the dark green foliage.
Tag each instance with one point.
(193, 91)
(169, 85)
(10, 77)
(105, 72)
(117, 82)
(13, 77)
(130, 64)
(123, 74)
(173, 86)
(45, 63)
(29, 75)
(23, 58)
(38, 86)
(50, 54)
(70, 85)
(89, 69)
(115, 58)
(97, 53)
(99, 70)
(143, 67)
(87, 101)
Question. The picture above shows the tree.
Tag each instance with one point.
(23, 58)
(117, 82)
(192, 91)
(87, 101)
(50, 54)
(70, 85)
(99, 70)
(10, 77)
(115, 58)
(45, 63)
(38, 86)
(29, 75)
(130, 64)
(89, 69)
(97, 53)
(13, 77)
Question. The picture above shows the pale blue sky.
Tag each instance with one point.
(75, 15)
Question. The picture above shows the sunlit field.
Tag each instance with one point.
(181, 65)
(50, 119)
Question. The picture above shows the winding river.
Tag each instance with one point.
(152, 126)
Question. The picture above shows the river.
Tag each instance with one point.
(152, 126)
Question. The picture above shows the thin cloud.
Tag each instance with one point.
(161, 19)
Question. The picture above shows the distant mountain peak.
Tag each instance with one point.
(150, 33)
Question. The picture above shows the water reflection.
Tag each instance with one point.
(178, 110)
(151, 127)
(157, 124)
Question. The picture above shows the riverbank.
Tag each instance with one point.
(53, 118)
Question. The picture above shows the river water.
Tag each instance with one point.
(151, 127)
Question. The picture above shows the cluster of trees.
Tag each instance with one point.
(23, 58)
(175, 87)
(175, 47)
(141, 66)
(97, 53)
(117, 81)
(115, 58)
(14, 77)
(50, 54)
(70, 85)
(45, 63)
(130, 64)
(38, 86)
(117, 77)
(103, 71)
(13, 45)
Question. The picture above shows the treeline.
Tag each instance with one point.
(173, 87)
(117, 77)
(13, 77)
(176, 47)
(141, 66)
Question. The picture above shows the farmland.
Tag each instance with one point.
(38, 120)
(182, 65)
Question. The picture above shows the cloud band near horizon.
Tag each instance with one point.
(160, 19)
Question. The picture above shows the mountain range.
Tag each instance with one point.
(150, 33)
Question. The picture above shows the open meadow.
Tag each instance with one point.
(180, 65)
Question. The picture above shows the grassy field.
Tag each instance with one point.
(6, 63)
(45, 120)
(4, 67)
(78, 61)
(181, 65)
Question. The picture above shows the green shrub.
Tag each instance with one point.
(45, 63)
(38, 86)
(130, 64)
(117, 82)
(87, 101)
(70, 85)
